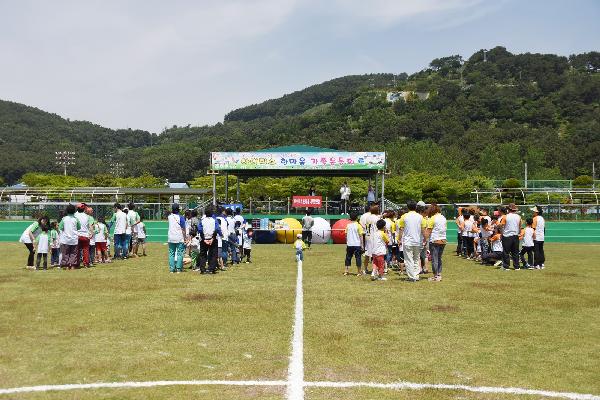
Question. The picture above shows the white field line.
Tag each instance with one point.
(295, 386)
(442, 386)
(325, 384)
(105, 385)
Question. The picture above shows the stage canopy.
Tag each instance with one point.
(298, 160)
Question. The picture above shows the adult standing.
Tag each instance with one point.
(436, 233)
(364, 221)
(133, 219)
(312, 191)
(119, 221)
(222, 218)
(307, 223)
(460, 223)
(539, 235)
(370, 196)
(85, 233)
(69, 227)
(511, 227)
(231, 237)
(208, 229)
(176, 238)
(371, 228)
(28, 237)
(412, 232)
(345, 197)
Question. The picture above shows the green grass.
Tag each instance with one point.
(132, 321)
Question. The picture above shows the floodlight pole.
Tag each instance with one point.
(226, 187)
(237, 194)
(64, 158)
(525, 175)
(214, 184)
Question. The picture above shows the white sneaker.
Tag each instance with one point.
(383, 278)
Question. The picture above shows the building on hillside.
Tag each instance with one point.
(392, 97)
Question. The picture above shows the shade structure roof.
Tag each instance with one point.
(299, 160)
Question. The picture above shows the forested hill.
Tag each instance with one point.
(475, 116)
(303, 100)
(29, 137)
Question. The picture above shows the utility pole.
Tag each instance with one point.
(64, 158)
(593, 175)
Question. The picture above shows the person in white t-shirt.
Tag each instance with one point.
(119, 224)
(539, 229)
(511, 227)
(140, 227)
(526, 237)
(345, 198)
(412, 232)
(43, 246)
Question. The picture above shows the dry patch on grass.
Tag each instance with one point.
(447, 308)
(560, 274)
(492, 286)
(200, 297)
(374, 322)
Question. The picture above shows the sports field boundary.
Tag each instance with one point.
(295, 383)
(317, 384)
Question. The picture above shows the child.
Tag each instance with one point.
(43, 244)
(54, 245)
(527, 237)
(354, 243)
(141, 238)
(239, 237)
(194, 251)
(247, 244)
(497, 251)
(380, 243)
(300, 247)
(101, 239)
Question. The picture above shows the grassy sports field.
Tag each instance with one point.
(133, 321)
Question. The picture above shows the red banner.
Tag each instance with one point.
(307, 201)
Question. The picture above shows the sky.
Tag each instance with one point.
(152, 64)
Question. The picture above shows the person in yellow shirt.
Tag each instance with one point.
(354, 243)
(300, 246)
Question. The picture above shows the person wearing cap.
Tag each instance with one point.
(412, 233)
(539, 233)
(300, 247)
(511, 228)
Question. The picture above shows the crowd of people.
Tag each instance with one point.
(76, 239)
(407, 240)
(410, 239)
(210, 242)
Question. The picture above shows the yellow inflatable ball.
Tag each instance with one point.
(289, 235)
